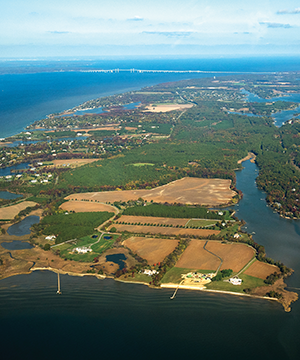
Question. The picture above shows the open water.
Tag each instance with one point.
(107, 319)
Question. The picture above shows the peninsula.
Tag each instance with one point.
(127, 192)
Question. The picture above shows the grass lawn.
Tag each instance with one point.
(138, 277)
(142, 164)
(97, 249)
(37, 199)
(104, 244)
(231, 230)
(200, 223)
(248, 282)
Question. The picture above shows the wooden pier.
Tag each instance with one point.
(58, 284)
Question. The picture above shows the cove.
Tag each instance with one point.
(117, 259)
(6, 195)
(8, 170)
(279, 236)
(280, 117)
(16, 245)
(23, 227)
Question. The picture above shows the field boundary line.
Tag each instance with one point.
(204, 247)
(247, 265)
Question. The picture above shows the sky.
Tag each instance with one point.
(153, 27)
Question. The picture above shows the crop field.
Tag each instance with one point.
(86, 206)
(100, 128)
(185, 191)
(151, 249)
(235, 256)
(71, 162)
(261, 270)
(140, 229)
(196, 257)
(201, 222)
(144, 220)
(9, 212)
(167, 107)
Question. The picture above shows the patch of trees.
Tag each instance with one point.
(170, 261)
(71, 226)
(173, 211)
(222, 274)
(274, 294)
(270, 280)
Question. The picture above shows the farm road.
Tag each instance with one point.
(204, 247)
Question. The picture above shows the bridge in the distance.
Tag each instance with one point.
(140, 71)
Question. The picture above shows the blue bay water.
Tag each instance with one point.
(31, 90)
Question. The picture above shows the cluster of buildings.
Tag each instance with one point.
(82, 250)
(149, 272)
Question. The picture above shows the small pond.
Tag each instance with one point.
(6, 195)
(23, 227)
(16, 245)
(7, 170)
(118, 259)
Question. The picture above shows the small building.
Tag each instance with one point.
(150, 272)
(235, 281)
(50, 237)
(82, 250)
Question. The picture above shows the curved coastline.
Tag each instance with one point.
(285, 305)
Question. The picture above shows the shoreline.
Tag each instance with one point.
(162, 286)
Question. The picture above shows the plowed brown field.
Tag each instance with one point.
(153, 250)
(195, 257)
(167, 107)
(235, 256)
(72, 162)
(186, 191)
(84, 206)
(140, 229)
(152, 220)
(9, 212)
(261, 270)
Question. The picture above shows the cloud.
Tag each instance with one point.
(284, 12)
(136, 18)
(169, 33)
(276, 25)
(244, 33)
(59, 32)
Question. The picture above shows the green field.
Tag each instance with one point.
(141, 164)
(248, 282)
(104, 244)
(97, 249)
(138, 278)
(200, 223)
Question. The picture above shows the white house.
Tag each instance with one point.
(82, 250)
(50, 237)
(235, 281)
(150, 272)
